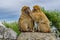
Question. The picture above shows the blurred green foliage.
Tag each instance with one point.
(13, 25)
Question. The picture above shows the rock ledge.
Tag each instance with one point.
(36, 36)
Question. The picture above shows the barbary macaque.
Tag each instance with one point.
(40, 19)
(25, 21)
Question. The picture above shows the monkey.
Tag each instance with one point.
(40, 19)
(25, 21)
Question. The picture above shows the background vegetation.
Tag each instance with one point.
(13, 25)
(54, 17)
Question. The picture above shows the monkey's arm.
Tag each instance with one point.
(44, 18)
(31, 25)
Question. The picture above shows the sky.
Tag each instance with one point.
(10, 10)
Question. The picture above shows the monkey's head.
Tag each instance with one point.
(26, 9)
(36, 8)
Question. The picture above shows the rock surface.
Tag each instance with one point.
(58, 38)
(7, 33)
(36, 36)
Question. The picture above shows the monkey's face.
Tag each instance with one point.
(26, 10)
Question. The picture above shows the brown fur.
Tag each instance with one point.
(25, 22)
(40, 19)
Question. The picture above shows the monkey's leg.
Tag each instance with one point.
(31, 25)
(44, 28)
(24, 27)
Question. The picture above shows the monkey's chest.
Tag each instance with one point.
(27, 19)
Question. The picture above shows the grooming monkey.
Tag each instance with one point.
(25, 21)
(40, 20)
